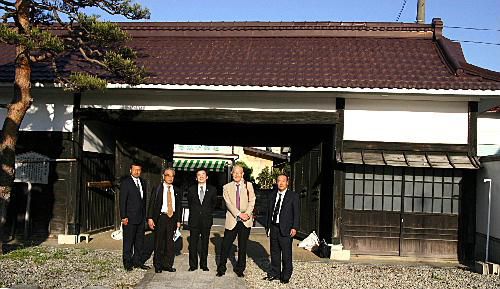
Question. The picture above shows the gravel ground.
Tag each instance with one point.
(68, 268)
(331, 275)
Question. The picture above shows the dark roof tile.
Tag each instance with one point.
(362, 55)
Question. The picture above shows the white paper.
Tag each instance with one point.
(177, 234)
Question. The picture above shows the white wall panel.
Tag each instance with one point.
(46, 114)
(406, 121)
(98, 138)
(490, 170)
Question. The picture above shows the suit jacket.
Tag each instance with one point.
(132, 206)
(289, 214)
(247, 203)
(200, 214)
(156, 203)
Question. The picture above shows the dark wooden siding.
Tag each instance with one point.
(49, 201)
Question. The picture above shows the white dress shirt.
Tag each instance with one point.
(165, 191)
(137, 182)
(276, 202)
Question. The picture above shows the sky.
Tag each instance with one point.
(483, 14)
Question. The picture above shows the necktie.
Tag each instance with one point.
(238, 196)
(277, 209)
(170, 210)
(201, 194)
(138, 185)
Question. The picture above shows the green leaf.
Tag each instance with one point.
(9, 35)
(100, 34)
(124, 68)
(35, 39)
(80, 81)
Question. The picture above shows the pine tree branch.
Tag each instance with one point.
(43, 57)
(7, 9)
(91, 60)
(7, 3)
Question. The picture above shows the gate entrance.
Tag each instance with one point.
(149, 137)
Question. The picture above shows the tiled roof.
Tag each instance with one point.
(318, 54)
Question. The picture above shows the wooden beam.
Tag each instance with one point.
(397, 146)
(212, 115)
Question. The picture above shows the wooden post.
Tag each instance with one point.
(73, 200)
(338, 173)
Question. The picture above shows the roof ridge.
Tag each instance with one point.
(318, 25)
(458, 66)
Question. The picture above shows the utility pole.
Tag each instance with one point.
(421, 12)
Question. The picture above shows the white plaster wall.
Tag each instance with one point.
(489, 170)
(406, 121)
(488, 136)
(257, 164)
(98, 138)
(53, 112)
(151, 99)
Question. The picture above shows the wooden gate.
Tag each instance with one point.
(306, 169)
(97, 203)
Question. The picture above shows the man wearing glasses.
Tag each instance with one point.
(164, 217)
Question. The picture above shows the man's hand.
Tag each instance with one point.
(178, 225)
(293, 232)
(125, 221)
(151, 224)
(244, 217)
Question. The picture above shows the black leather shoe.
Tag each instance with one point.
(169, 269)
(240, 274)
(157, 270)
(271, 278)
(143, 267)
(205, 269)
(192, 269)
(284, 281)
(220, 274)
(128, 268)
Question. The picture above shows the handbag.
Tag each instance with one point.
(323, 250)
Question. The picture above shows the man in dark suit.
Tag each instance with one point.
(164, 217)
(282, 223)
(133, 214)
(202, 199)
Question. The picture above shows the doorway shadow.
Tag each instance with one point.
(255, 251)
(217, 242)
(259, 255)
(149, 246)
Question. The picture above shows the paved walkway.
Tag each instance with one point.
(257, 250)
(196, 279)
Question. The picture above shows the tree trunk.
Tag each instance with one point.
(16, 110)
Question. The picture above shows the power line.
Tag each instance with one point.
(401, 11)
(476, 42)
(472, 28)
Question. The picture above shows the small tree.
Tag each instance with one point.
(267, 177)
(46, 30)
